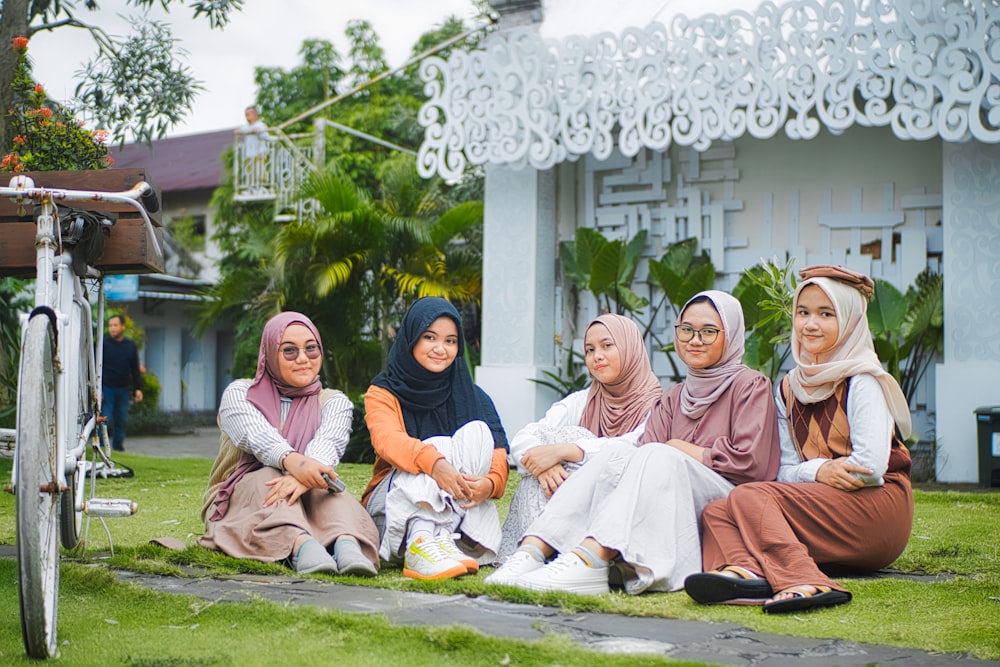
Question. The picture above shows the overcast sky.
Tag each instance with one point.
(265, 33)
(270, 32)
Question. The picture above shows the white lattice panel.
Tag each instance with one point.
(924, 68)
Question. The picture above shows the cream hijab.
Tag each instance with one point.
(812, 382)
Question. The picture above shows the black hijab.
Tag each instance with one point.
(435, 403)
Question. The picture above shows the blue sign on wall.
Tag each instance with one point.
(121, 288)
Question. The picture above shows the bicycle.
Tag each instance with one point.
(59, 395)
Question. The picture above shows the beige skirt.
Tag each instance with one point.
(250, 530)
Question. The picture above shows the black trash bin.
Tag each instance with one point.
(988, 423)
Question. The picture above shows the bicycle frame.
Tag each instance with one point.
(52, 297)
(59, 404)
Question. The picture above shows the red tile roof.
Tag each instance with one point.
(176, 164)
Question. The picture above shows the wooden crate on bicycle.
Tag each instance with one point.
(129, 249)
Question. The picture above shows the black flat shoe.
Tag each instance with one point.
(823, 597)
(716, 588)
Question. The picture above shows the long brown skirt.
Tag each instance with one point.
(250, 530)
(787, 532)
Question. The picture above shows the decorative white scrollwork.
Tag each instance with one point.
(924, 68)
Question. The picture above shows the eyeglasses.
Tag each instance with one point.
(685, 333)
(291, 353)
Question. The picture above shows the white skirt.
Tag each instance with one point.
(645, 502)
(412, 496)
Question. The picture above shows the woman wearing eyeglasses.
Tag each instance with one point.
(636, 510)
(282, 433)
(441, 452)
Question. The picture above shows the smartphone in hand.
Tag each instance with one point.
(334, 485)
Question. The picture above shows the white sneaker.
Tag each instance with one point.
(447, 544)
(425, 559)
(517, 564)
(570, 574)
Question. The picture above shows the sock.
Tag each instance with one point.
(420, 528)
(534, 551)
(590, 558)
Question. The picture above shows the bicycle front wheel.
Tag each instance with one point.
(37, 491)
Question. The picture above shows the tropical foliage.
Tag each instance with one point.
(381, 236)
(909, 328)
(46, 136)
(134, 85)
(604, 268)
(765, 291)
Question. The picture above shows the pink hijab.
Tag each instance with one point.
(704, 386)
(267, 388)
(619, 407)
(812, 382)
(265, 394)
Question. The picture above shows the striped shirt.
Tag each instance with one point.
(251, 432)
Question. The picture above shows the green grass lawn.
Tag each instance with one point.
(955, 535)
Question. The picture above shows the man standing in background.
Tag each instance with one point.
(121, 376)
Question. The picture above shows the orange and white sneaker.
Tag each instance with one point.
(447, 543)
(425, 559)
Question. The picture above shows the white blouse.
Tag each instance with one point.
(566, 412)
(871, 427)
(251, 432)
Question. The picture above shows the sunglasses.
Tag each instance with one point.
(291, 352)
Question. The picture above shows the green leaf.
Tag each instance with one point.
(887, 309)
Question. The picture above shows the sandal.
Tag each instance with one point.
(715, 587)
(823, 597)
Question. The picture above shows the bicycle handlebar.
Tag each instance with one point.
(140, 196)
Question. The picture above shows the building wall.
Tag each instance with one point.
(968, 378)
(192, 371)
(833, 199)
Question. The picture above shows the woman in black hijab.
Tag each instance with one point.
(441, 451)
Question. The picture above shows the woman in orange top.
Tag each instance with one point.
(441, 451)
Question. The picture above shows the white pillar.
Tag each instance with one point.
(968, 378)
(519, 321)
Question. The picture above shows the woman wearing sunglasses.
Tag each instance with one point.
(269, 495)
(635, 510)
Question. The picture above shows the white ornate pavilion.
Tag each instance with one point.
(856, 132)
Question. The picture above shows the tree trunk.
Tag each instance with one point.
(13, 23)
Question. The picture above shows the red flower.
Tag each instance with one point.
(109, 160)
(39, 90)
(19, 140)
(20, 43)
(45, 111)
(9, 160)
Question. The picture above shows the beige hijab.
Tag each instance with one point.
(812, 382)
(618, 407)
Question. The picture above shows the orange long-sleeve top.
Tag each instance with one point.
(395, 448)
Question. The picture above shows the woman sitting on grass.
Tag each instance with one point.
(267, 499)
(638, 507)
(441, 452)
(615, 406)
(843, 496)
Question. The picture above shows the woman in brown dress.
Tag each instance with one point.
(843, 498)
(281, 434)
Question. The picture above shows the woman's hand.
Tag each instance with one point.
(286, 488)
(539, 459)
(481, 488)
(450, 480)
(552, 479)
(837, 473)
(308, 471)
